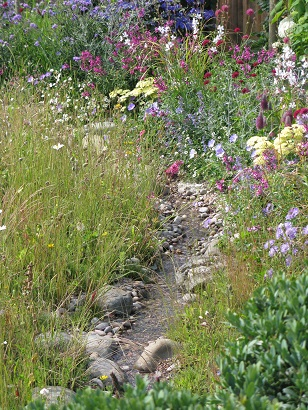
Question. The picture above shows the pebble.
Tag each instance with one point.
(101, 326)
(108, 329)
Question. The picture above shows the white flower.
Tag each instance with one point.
(57, 147)
(3, 228)
(192, 153)
(285, 27)
(44, 391)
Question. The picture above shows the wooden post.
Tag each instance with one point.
(17, 6)
(272, 30)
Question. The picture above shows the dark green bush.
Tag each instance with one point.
(270, 357)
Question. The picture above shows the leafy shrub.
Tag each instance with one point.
(270, 358)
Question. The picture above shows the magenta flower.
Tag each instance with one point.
(174, 169)
(250, 12)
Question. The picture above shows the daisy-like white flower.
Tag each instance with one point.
(57, 146)
(3, 228)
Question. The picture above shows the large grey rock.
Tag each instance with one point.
(115, 300)
(102, 368)
(104, 346)
(53, 395)
(161, 349)
(197, 271)
(54, 340)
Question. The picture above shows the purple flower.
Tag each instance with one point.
(37, 43)
(207, 223)
(293, 212)
(269, 243)
(233, 138)
(291, 232)
(219, 151)
(272, 252)
(288, 260)
(269, 274)
(305, 230)
(131, 106)
(211, 143)
(279, 231)
(76, 58)
(285, 247)
(268, 209)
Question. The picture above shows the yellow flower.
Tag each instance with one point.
(254, 140)
(103, 377)
(50, 245)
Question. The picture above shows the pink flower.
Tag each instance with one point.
(250, 12)
(237, 30)
(174, 169)
(225, 7)
(217, 12)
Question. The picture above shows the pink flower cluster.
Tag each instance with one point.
(174, 169)
(91, 63)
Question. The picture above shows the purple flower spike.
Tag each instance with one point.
(305, 230)
(293, 212)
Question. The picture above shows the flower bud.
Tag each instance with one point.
(260, 121)
(264, 102)
(287, 118)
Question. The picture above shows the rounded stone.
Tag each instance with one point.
(53, 395)
(115, 300)
(102, 368)
(161, 349)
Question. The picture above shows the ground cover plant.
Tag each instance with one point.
(99, 100)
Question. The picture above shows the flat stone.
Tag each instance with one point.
(212, 249)
(115, 300)
(197, 271)
(161, 349)
(53, 395)
(103, 346)
(104, 367)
